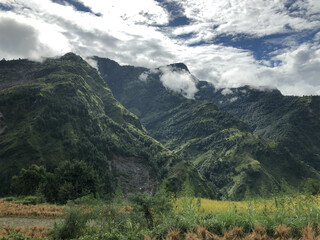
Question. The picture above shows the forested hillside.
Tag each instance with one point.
(223, 148)
(60, 114)
(291, 121)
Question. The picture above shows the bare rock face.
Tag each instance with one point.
(133, 174)
(2, 123)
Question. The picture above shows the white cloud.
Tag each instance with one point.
(299, 72)
(126, 31)
(226, 91)
(255, 17)
(93, 63)
(173, 78)
(20, 39)
(143, 76)
(178, 80)
(233, 99)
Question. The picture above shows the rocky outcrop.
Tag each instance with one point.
(133, 175)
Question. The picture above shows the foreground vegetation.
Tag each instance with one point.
(164, 216)
(13, 208)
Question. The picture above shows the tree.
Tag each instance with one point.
(152, 207)
(75, 179)
(29, 180)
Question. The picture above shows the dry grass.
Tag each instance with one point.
(173, 235)
(259, 233)
(234, 234)
(33, 232)
(149, 238)
(280, 233)
(14, 209)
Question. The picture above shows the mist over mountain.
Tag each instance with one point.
(61, 110)
(223, 145)
(154, 127)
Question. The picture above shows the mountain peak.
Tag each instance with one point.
(71, 56)
(179, 66)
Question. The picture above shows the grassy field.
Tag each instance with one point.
(19, 209)
(150, 218)
(19, 221)
(294, 202)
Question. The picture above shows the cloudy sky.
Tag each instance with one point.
(230, 43)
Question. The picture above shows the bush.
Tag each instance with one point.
(153, 208)
(310, 186)
(73, 225)
(15, 236)
(25, 200)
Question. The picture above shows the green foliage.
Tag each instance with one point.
(64, 112)
(156, 215)
(152, 207)
(15, 236)
(71, 180)
(74, 180)
(187, 189)
(291, 121)
(222, 145)
(29, 180)
(26, 200)
(73, 225)
(89, 200)
(310, 186)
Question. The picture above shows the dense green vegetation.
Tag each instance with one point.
(61, 115)
(223, 147)
(61, 112)
(69, 181)
(64, 138)
(292, 122)
(157, 216)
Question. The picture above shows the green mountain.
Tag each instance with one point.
(62, 110)
(223, 147)
(292, 122)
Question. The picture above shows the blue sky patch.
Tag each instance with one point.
(77, 5)
(261, 47)
(5, 7)
(179, 21)
(176, 11)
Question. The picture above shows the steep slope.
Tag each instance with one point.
(222, 147)
(61, 110)
(292, 122)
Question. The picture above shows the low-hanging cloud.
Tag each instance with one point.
(178, 80)
(93, 63)
(129, 34)
(226, 91)
(175, 79)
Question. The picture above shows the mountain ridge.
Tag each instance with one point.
(206, 138)
(61, 110)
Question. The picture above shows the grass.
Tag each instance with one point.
(259, 233)
(19, 209)
(283, 217)
(33, 232)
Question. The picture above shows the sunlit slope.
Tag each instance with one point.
(291, 121)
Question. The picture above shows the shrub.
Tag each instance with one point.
(73, 225)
